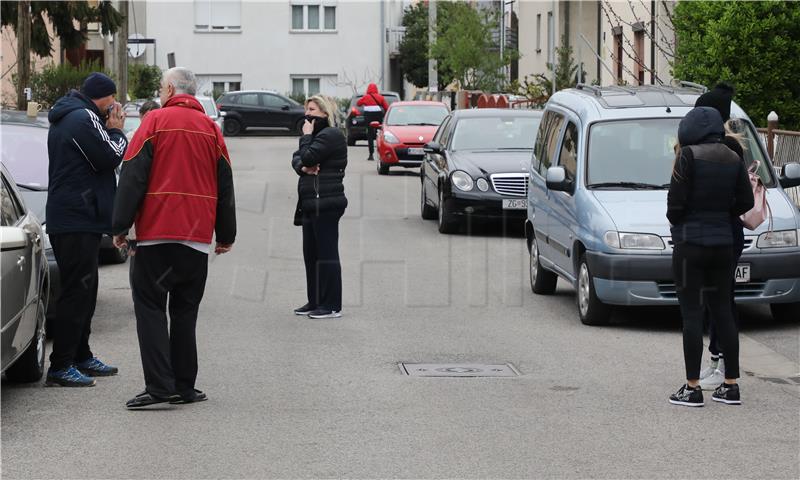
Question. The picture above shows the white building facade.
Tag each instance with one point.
(617, 41)
(290, 46)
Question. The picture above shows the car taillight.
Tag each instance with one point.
(355, 112)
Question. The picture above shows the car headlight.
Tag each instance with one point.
(482, 184)
(389, 137)
(781, 238)
(462, 180)
(633, 241)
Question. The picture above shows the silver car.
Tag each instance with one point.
(597, 200)
(24, 283)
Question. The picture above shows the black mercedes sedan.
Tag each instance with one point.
(477, 166)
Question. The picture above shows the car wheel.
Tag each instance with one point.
(446, 222)
(427, 211)
(30, 366)
(590, 309)
(113, 255)
(232, 127)
(383, 169)
(785, 312)
(543, 281)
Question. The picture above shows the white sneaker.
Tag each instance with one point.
(712, 377)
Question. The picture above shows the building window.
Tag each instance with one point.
(217, 16)
(538, 33)
(617, 31)
(638, 44)
(306, 86)
(313, 17)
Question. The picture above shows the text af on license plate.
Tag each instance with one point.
(515, 203)
(742, 273)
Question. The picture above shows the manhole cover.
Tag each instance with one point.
(458, 370)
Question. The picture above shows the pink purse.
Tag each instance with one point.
(754, 217)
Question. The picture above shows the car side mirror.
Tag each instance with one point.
(12, 238)
(790, 175)
(375, 124)
(556, 179)
(432, 147)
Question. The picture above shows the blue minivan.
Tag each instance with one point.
(597, 197)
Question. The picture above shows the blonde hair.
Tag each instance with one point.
(731, 127)
(326, 106)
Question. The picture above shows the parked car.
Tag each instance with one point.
(477, 166)
(407, 127)
(211, 109)
(132, 119)
(597, 200)
(24, 283)
(355, 125)
(247, 109)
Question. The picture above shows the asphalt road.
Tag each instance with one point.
(292, 397)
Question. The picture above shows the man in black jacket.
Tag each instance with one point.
(85, 145)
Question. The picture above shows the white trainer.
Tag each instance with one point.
(713, 378)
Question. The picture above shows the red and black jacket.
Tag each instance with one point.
(372, 97)
(176, 181)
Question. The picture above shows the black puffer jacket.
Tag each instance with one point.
(709, 186)
(321, 193)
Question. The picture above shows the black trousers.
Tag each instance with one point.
(76, 256)
(321, 256)
(370, 117)
(703, 280)
(168, 276)
(713, 342)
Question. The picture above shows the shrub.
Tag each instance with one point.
(55, 81)
(143, 80)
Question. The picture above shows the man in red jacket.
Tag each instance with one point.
(375, 107)
(177, 185)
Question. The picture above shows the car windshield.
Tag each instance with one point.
(24, 153)
(131, 124)
(208, 106)
(641, 153)
(495, 133)
(416, 115)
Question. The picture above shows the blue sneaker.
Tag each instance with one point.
(96, 368)
(68, 377)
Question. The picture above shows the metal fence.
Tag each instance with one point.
(784, 148)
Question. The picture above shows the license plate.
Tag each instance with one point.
(742, 273)
(416, 151)
(515, 204)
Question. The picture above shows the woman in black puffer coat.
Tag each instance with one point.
(320, 162)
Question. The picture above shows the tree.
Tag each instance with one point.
(752, 45)
(63, 16)
(465, 48)
(143, 80)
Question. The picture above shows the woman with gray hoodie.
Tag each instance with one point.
(708, 189)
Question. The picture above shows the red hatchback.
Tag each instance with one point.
(407, 127)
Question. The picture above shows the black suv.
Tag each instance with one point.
(259, 109)
(356, 126)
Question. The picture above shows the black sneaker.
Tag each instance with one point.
(727, 394)
(324, 313)
(688, 396)
(305, 309)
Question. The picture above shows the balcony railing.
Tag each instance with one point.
(394, 35)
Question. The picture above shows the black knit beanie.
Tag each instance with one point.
(719, 97)
(98, 85)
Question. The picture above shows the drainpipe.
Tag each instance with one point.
(653, 42)
(599, 40)
(383, 46)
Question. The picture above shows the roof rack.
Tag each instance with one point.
(696, 86)
(594, 88)
(624, 89)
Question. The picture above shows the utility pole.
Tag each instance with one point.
(433, 79)
(122, 54)
(23, 52)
